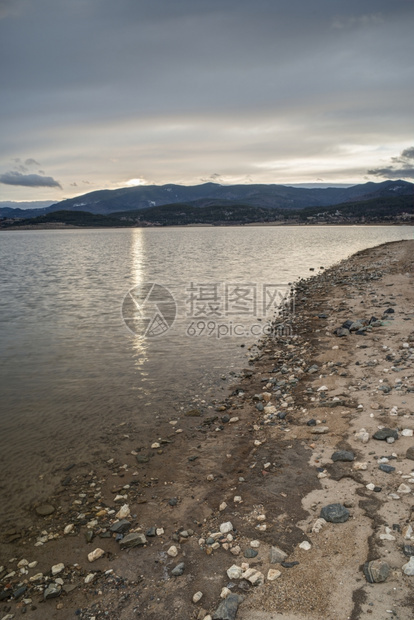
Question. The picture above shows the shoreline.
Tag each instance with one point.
(249, 225)
(257, 454)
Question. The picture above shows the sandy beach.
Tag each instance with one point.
(290, 499)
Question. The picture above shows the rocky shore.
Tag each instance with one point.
(291, 499)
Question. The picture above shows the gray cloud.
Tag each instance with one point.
(272, 90)
(31, 162)
(28, 180)
(402, 166)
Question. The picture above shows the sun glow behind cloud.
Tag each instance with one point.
(135, 182)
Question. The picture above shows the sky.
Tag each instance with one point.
(102, 94)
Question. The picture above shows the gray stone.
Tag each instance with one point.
(408, 550)
(132, 540)
(335, 513)
(277, 555)
(120, 527)
(227, 610)
(141, 458)
(410, 453)
(342, 331)
(343, 455)
(19, 592)
(250, 553)
(376, 571)
(355, 326)
(384, 433)
(52, 591)
(178, 570)
(387, 468)
(45, 510)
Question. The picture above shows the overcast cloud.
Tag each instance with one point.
(106, 94)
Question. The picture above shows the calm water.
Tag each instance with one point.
(71, 370)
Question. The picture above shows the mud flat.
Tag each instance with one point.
(290, 499)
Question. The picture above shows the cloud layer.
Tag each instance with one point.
(163, 91)
(401, 167)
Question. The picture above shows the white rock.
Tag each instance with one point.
(404, 488)
(273, 574)
(160, 531)
(89, 578)
(33, 564)
(407, 432)
(225, 592)
(407, 532)
(69, 528)
(408, 569)
(255, 544)
(235, 550)
(37, 577)
(233, 420)
(123, 512)
(197, 597)
(172, 551)
(222, 506)
(255, 577)
(370, 486)
(257, 442)
(96, 554)
(58, 568)
(360, 466)
(237, 499)
(362, 436)
(305, 545)
(323, 388)
(234, 572)
(21, 564)
(155, 445)
(318, 525)
(226, 527)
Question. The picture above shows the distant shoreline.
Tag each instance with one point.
(249, 225)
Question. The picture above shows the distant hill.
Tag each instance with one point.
(384, 209)
(12, 208)
(211, 194)
(381, 209)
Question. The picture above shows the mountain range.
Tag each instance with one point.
(212, 194)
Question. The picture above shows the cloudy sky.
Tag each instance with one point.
(103, 93)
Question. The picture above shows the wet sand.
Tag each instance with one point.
(254, 461)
